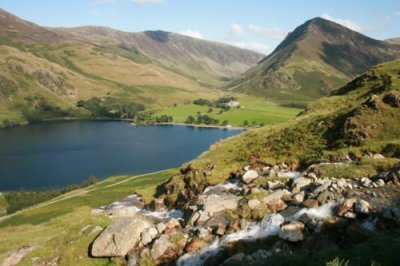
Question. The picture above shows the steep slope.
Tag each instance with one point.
(62, 66)
(204, 61)
(356, 120)
(315, 58)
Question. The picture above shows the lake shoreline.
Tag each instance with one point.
(74, 119)
(199, 126)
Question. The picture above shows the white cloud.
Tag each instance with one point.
(148, 2)
(255, 46)
(397, 13)
(345, 22)
(192, 33)
(272, 33)
(235, 30)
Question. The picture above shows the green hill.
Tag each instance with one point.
(311, 61)
(358, 119)
(44, 72)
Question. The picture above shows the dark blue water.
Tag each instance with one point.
(52, 155)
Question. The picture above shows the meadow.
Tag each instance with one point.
(57, 225)
(256, 111)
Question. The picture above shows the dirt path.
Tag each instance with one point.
(76, 193)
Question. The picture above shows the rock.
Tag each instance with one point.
(120, 237)
(311, 203)
(299, 197)
(216, 203)
(275, 196)
(145, 238)
(204, 217)
(323, 187)
(161, 227)
(132, 259)
(172, 223)
(365, 182)
(292, 231)
(277, 205)
(275, 185)
(254, 203)
(378, 156)
(325, 197)
(221, 229)
(123, 212)
(380, 182)
(350, 215)
(168, 248)
(158, 204)
(362, 207)
(249, 176)
(346, 206)
(203, 233)
(148, 235)
(16, 257)
(196, 244)
(300, 183)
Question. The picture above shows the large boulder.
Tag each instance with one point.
(249, 176)
(217, 203)
(120, 237)
(292, 231)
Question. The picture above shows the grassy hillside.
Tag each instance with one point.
(357, 119)
(56, 226)
(254, 110)
(311, 61)
(44, 72)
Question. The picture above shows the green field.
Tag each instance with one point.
(56, 224)
(255, 110)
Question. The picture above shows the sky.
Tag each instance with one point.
(258, 25)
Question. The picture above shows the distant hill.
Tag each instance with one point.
(46, 71)
(393, 40)
(315, 58)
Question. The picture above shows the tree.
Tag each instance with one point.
(209, 110)
(189, 120)
(225, 122)
(245, 123)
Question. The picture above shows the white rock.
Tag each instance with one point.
(249, 176)
(362, 207)
(292, 231)
(254, 204)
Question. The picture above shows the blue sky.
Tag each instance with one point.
(254, 24)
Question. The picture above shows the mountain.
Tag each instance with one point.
(311, 61)
(46, 71)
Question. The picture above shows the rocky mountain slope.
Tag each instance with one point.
(47, 71)
(315, 58)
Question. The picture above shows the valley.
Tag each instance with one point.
(158, 148)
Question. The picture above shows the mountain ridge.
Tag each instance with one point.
(315, 58)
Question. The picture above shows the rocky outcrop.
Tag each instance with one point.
(120, 237)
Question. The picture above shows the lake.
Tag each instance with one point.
(53, 155)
